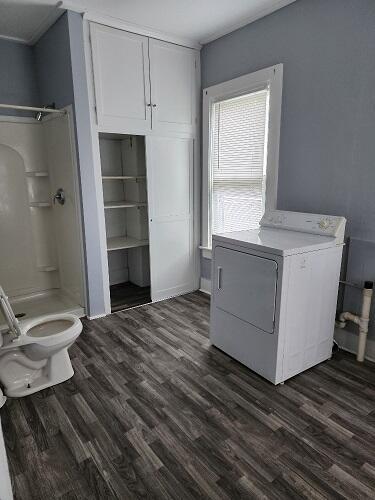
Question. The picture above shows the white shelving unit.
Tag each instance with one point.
(125, 208)
(124, 204)
(124, 177)
(124, 242)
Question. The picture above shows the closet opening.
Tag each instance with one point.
(123, 163)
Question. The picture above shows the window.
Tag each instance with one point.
(241, 120)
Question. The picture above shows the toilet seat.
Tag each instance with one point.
(58, 328)
(51, 337)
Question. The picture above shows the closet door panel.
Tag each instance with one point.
(121, 79)
(170, 193)
(173, 87)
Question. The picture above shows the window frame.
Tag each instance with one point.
(272, 78)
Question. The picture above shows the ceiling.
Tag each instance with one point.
(198, 21)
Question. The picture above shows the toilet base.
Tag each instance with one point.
(56, 370)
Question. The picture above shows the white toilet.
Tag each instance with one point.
(34, 353)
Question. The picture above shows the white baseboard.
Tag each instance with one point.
(205, 286)
(97, 316)
(5, 483)
(348, 341)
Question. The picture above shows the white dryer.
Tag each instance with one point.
(274, 292)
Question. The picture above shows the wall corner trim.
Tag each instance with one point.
(205, 286)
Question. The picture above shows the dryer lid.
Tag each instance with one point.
(276, 241)
(288, 233)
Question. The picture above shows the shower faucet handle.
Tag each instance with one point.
(59, 197)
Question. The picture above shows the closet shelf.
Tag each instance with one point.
(40, 204)
(123, 204)
(122, 242)
(37, 174)
(124, 177)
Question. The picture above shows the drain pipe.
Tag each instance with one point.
(362, 320)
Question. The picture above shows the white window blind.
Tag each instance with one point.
(238, 161)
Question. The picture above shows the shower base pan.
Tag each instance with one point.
(33, 306)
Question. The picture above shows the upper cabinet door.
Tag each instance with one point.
(173, 88)
(121, 79)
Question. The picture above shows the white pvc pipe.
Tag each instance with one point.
(363, 325)
(362, 321)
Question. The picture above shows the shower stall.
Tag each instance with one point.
(41, 249)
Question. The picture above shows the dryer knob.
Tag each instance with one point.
(324, 224)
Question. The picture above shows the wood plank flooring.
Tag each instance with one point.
(154, 412)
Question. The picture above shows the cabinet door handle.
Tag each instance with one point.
(219, 271)
(148, 105)
(154, 105)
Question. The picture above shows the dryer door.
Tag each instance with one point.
(245, 286)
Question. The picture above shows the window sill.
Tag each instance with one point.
(206, 252)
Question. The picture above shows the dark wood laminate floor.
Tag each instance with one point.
(154, 412)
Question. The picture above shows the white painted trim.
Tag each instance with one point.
(271, 77)
(5, 482)
(97, 167)
(206, 252)
(115, 22)
(46, 23)
(14, 39)
(97, 316)
(348, 341)
(245, 21)
(52, 16)
(70, 114)
(205, 286)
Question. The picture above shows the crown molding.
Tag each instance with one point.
(119, 23)
(47, 21)
(52, 16)
(14, 39)
(245, 21)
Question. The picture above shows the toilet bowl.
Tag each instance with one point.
(34, 353)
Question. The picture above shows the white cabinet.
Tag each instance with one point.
(143, 85)
(170, 193)
(121, 80)
(173, 87)
(145, 94)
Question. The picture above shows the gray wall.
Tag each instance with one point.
(53, 65)
(327, 148)
(17, 76)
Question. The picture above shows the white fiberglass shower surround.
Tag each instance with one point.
(41, 265)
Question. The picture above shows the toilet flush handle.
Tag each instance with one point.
(59, 196)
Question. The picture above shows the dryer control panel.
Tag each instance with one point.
(324, 225)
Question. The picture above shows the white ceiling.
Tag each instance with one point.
(198, 21)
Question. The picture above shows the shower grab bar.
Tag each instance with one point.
(9, 314)
(32, 108)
